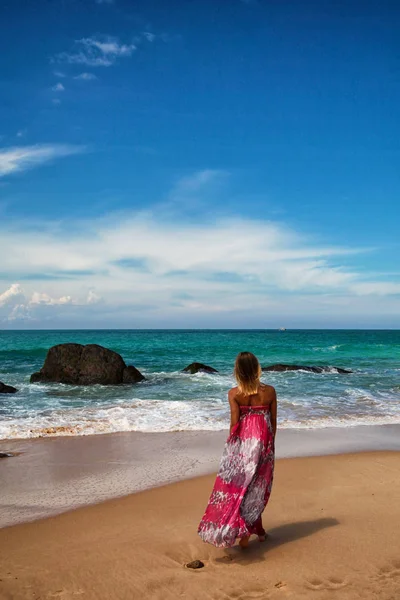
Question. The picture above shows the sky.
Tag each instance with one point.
(199, 164)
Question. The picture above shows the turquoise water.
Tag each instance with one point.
(170, 400)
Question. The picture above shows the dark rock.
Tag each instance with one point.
(198, 367)
(6, 454)
(132, 375)
(280, 368)
(7, 389)
(76, 364)
(195, 564)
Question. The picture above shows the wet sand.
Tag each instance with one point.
(53, 475)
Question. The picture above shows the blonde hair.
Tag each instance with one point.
(247, 372)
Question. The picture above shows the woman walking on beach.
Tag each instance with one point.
(243, 484)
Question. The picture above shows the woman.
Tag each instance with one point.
(243, 485)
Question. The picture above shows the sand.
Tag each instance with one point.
(67, 472)
(334, 533)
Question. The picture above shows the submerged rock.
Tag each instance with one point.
(76, 364)
(7, 389)
(6, 455)
(198, 368)
(280, 368)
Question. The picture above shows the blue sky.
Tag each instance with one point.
(222, 163)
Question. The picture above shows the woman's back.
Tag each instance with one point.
(264, 396)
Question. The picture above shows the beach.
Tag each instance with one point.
(332, 519)
(106, 485)
(332, 522)
(55, 474)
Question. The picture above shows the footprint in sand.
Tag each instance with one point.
(386, 581)
(64, 594)
(390, 571)
(280, 585)
(332, 583)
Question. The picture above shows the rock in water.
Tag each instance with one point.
(280, 368)
(76, 364)
(7, 389)
(6, 455)
(132, 375)
(198, 367)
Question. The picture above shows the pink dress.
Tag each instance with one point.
(244, 481)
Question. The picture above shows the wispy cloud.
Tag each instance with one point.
(150, 37)
(228, 270)
(104, 1)
(59, 74)
(97, 52)
(198, 181)
(85, 76)
(58, 87)
(93, 298)
(190, 191)
(21, 158)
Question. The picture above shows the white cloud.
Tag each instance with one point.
(12, 296)
(146, 267)
(378, 288)
(58, 87)
(20, 158)
(85, 76)
(59, 74)
(97, 52)
(108, 46)
(21, 133)
(20, 312)
(24, 306)
(43, 298)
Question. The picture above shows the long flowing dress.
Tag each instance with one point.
(244, 481)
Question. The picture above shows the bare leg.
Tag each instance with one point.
(262, 536)
(244, 541)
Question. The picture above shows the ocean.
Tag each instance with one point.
(174, 401)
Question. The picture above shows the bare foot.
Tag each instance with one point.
(262, 538)
(244, 542)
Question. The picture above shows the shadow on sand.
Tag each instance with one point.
(284, 534)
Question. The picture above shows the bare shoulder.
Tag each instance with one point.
(269, 391)
(233, 392)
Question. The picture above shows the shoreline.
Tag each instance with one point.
(331, 522)
(66, 473)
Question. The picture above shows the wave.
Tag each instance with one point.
(151, 416)
(327, 348)
(339, 422)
